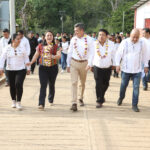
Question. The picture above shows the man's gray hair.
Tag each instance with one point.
(79, 25)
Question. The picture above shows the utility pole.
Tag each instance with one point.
(12, 16)
(61, 13)
(62, 23)
(123, 21)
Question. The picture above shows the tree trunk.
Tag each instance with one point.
(114, 4)
(24, 17)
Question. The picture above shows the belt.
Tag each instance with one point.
(80, 61)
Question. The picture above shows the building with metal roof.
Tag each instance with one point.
(139, 3)
(142, 14)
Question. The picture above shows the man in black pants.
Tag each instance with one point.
(33, 44)
(103, 57)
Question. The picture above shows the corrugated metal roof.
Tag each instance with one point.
(139, 3)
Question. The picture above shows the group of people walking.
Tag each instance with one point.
(99, 55)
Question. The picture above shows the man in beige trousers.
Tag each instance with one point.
(79, 61)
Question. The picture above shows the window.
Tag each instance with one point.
(147, 23)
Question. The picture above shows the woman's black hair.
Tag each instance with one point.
(45, 43)
(119, 37)
(64, 37)
(13, 37)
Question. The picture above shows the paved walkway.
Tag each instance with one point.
(57, 128)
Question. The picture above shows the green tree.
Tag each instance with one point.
(43, 15)
(116, 21)
(24, 13)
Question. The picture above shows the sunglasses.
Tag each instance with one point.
(15, 52)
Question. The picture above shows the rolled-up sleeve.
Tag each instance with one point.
(1, 47)
(91, 52)
(145, 53)
(119, 53)
(26, 59)
(3, 58)
(28, 47)
(113, 54)
(69, 54)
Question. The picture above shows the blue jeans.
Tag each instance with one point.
(63, 61)
(136, 82)
(145, 79)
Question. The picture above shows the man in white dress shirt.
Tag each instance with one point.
(79, 61)
(24, 41)
(146, 77)
(103, 58)
(133, 53)
(4, 40)
(3, 43)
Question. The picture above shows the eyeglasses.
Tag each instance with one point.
(15, 52)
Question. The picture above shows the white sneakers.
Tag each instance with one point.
(16, 105)
(62, 71)
(13, 104)
(51, 104)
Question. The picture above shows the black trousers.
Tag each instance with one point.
(16, 79)
(102, 77)
(6, 73)
(47, 75)
(33, 65)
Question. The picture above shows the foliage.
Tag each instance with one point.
(45, 14)
(116, 21)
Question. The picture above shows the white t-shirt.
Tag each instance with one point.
(65, 47)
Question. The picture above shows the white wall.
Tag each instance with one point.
(143, 12)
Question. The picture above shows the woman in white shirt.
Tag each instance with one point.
(65, 46)
(17, 58)
(117, 43)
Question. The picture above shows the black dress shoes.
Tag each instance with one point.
(74, 107)
(99, 105)
(81, 102)
(144, 88)
(119, 102)
(135, 108)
